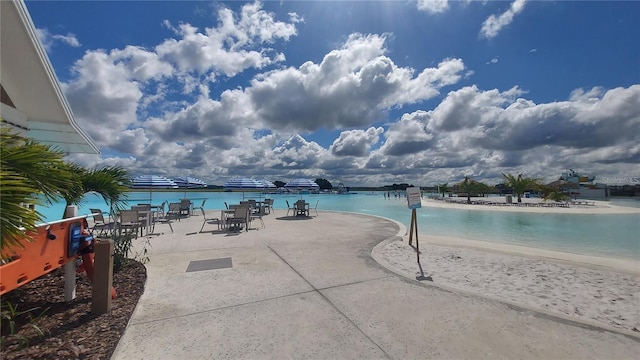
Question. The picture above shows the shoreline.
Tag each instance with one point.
(599, 207)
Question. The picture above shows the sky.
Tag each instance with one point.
(364, 93)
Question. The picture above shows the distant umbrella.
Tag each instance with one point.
(151, 182)
(244, 184)
(305, 184)
(268, 184)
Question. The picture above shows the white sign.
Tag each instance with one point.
(414, 198)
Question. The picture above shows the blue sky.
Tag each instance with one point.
(358, 92)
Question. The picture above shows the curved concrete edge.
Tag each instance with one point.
(379, 248)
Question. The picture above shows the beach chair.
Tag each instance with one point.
(316, 207)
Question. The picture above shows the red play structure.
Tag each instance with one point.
(50, 247)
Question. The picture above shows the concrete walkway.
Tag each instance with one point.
(310, 289)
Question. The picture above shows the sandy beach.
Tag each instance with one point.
(594, 290)
(598, 207)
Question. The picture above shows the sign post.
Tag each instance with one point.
(414, 201)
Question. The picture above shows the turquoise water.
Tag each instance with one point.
(591, 234)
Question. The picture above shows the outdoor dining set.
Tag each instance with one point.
(141, 219)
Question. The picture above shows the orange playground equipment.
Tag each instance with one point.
(52, 245)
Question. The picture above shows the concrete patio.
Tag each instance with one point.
(310, 288)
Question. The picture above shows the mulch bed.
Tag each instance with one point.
(70, 330)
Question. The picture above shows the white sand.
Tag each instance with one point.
(599, 207)
(593, 290)
(585, 288)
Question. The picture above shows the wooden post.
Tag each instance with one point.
(413, 227)
(70, 267)
(102, 277)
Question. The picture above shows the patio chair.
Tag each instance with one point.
(100, 226)
(206, 220)
(174, 211)
(201, 207)
(165, 217)
(240, 216)
(185, 207)
(268, 205)
(301, 208)
(290, 208)
(145, 217)
(258, 214)
(129, 220)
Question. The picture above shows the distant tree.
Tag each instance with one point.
(443, 188)
(520, 184)
(324, 184)
(470, 186)
(278, 183)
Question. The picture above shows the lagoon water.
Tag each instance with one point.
(591, 234)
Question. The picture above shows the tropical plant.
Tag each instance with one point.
(443, 188)
(470, 186)
(109, 182)
(27, 169)
(12, 318)
(520, 184)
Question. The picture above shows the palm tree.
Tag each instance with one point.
(443, 188)
(109, 182)
(27, 169)
(520, 184)
(36, 174)
(470, 186)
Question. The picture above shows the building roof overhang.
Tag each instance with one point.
(33, 102)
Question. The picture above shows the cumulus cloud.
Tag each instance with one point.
(492, 131)
(49, 40)
(495, 23)
(228, 48)
(353, 86)
(356, 142)
(433, 6)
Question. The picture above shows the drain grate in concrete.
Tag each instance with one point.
(209, 264)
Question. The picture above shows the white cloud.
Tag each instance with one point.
(227, 48)
(49, 40)
(356, 142)
(433, 6)
(494, 24)
(353, 86)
